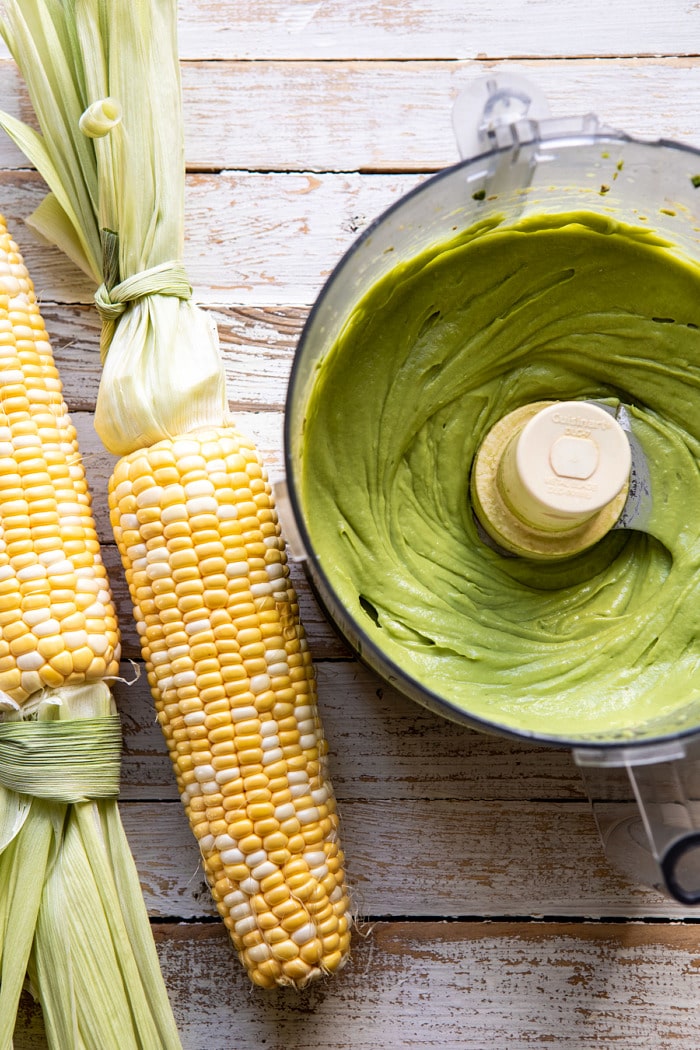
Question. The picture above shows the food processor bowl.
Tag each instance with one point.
(518, 162)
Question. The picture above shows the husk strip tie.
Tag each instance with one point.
(69, 761)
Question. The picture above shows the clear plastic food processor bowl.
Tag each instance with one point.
(519, 161)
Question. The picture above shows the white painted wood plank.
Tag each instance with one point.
(347, 116)
(433, 858)
(382, 746)
(398, 116)
(417, 29)
(436, 29)
(253, 239)
(454, 986)
(257, 346)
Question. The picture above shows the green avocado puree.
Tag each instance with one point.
(604, 645)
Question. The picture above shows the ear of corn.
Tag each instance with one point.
(192, 512)
(56, 614)
(235, 692)
(71, 909)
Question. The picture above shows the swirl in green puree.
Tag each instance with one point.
(604, 644)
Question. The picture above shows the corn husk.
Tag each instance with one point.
(103, 77)
(72, 915)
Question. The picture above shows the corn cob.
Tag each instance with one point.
(57, 619)
(191, 506)
(235, 692)
(71, 911)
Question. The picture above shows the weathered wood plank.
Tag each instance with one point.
(459, 986)
(432, 858)
(382, 745)
(413, 29)
(439, 29)
(257, 347)
(254, 239)
(380, 116)
(244, 233)
(387, 116)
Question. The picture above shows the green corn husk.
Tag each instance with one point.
(104, 81)
(72, 914)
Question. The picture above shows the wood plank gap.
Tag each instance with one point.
(480, 59)
(365, 922)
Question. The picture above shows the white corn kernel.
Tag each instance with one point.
(204, 773)
(304, 933)
(232, 856)
(184, 678)
(261, 871)
(98, 643)
(275, 754)
(239, 911)
(227, 512)
(30, 661)
(250, 886)
(315, 858)
(223, 776)
(150, 497)
(259, 683)
(256, 858)
(201, 505)
(195, 718)
(237, 568)
(285, 811)
(241, 714)
(259, 953)
(308, 816)
(196, 627)
(225, 842)
(246, 925)
(202, 487)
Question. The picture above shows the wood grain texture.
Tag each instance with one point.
(242, 229)
(325, 116)
(428, 857)
(416, 29)
(301, 29)
(382, 746)
(456, 986)
(476, 869)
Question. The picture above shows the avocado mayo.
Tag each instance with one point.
(605, 644)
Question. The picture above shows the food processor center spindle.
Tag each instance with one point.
(551, 478)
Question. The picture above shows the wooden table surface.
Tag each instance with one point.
(487, 916)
